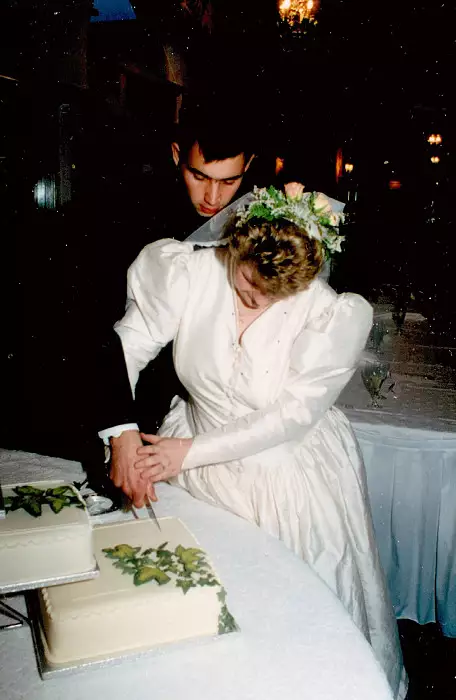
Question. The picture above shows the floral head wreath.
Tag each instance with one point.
(311, 211)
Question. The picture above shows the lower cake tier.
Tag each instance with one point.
(155, 587)
(46, 534)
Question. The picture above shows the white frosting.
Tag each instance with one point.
(49, 546)
(109, 615)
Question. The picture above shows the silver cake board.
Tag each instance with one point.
(18, 587)
(16, 618)
(49, 671)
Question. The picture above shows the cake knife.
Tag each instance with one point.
(128, 506)
(151, 512)
(2, 505)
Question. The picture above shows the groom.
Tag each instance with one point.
(212, 155)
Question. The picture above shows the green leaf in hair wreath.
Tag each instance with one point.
(313, 212)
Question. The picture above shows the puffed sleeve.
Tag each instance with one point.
(158, 285)
(324, 358)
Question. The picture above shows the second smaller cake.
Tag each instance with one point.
(45, 535)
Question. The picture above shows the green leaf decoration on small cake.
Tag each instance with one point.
(59, 490)
(28, 491)
(32, 499)
(56, 504)
(32, 506)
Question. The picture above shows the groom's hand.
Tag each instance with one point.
(123, 473)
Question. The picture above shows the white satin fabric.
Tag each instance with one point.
(268, 443)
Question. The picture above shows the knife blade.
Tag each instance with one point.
(2, 505)
(151, 512)
(129, 507)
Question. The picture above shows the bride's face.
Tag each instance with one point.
(248, 288)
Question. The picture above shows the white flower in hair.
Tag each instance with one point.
(311, 211)
(294, 190)
(322, 204)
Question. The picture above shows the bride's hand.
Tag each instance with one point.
(163, 458)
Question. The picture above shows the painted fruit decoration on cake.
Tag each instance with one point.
(188, 565)
(32, 499)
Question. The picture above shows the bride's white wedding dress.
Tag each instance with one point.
(268, 443)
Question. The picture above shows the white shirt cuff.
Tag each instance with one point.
(116, 431)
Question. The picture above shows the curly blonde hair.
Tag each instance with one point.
(283, 257)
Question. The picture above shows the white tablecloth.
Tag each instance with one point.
(296, 640)
(409, 448)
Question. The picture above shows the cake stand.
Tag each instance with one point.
(18, 619)
(96, 506)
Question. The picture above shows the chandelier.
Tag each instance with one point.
(298, 13)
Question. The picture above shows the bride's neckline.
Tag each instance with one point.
(244, 310)
(246, 317)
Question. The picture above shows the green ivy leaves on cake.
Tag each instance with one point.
(226, 622)
(188, 565)
(32, 499)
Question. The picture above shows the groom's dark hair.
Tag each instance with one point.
(217, 129)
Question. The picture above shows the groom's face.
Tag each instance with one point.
(210, 186)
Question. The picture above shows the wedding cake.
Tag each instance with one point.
(46, 534)
(155, 587)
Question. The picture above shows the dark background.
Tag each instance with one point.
(86, 112)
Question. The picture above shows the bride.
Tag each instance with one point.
(264, 347)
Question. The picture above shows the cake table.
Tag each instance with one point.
(296, 640)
